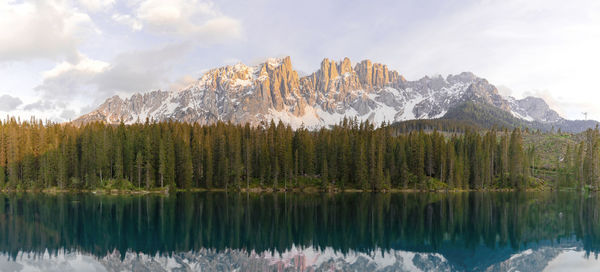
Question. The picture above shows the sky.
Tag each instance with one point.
(60, 59)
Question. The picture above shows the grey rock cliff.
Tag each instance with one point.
(273, 91)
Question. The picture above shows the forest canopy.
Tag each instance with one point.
(351, 155)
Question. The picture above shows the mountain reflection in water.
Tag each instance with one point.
(300, 232)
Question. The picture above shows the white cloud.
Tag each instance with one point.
(197, 20)
(69, 80)
(504, 90)
(524, 45)
(88, 81)
(41, 29)
(9, 103)
(178, 15)
(219, 29)
(182, 82)
(128, 20)
(68, 114)
(83, 66)
(43, 106)
(44, 109)
(140, 70)
(97, 5)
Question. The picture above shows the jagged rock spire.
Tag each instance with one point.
(273, 90)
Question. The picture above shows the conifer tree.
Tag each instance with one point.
(162, 160)
(516, 159)
(324, 174)
(139, 164)
(352, 154)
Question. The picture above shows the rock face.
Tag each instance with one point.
(534, 108)
(274, 91)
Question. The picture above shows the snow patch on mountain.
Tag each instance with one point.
(273, 91)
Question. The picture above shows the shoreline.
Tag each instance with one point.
(167, 191)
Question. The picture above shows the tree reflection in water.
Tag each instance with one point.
(469, 230)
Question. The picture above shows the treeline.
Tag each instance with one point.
(429, 125)
(350, 155)
(580, 166)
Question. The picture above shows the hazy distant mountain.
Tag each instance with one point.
(273, 91)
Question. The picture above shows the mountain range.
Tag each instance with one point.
(273, 90)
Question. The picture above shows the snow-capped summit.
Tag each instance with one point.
(273, 90)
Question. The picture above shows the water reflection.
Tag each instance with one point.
(297, 232)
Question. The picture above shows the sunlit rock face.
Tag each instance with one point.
(273, 90)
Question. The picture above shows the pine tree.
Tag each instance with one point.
(118, 159)
(352, 154)
(516, 159)
(208, 163)
(579, 164)
(296, 167)
(450, 166)
(139, 164)
(324, 174)
(248, 157)
(148, 163)
(162, 158)
(360, 165)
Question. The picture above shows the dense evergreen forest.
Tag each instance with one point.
(351, 155)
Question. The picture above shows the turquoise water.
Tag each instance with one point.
(300, 232)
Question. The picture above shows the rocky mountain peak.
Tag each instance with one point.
(375, 75)
(234, 76)
(483, 92)
(534, 108)
(341, 77)
(462, 77)
(282, 83)
(345, 66)
(338, 89)
(327, 73)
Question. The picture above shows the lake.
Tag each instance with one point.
(300, 232)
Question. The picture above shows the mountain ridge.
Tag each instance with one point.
(273, 90)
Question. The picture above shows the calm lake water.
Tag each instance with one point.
(300, 232)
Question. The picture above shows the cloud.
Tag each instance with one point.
(198, 20)
(43, 105)
(218, 30)
(87, 81)
(525, 45)
(83, 65)
(68, 114)
(128, 20)
(183, 82)
(9, 103)
(140, 70)
(45, 109)
(504, 90)
(97, 5)
(69, 80)
(41, 29)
